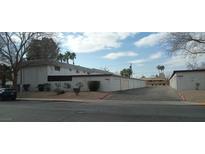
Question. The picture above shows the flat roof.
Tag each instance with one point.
(96, 75)
(184, 71)
(155, 79)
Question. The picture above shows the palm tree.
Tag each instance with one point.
(158, 67)
(67, 56)
(161, 68)
(60, 57)
(72, 57)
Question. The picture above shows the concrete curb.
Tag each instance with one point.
(105, 101)
(55, 100)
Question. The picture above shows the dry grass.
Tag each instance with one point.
(67, 95)
(194, 95)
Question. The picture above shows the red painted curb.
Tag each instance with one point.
(182, 96)
(103, 97)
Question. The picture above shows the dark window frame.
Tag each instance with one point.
(59, 78)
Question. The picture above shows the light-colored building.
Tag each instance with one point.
(61, 74)
(188, 79)
(157, 81)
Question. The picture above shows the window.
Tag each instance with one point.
(59, 78)
(57, 68)
(77, 71)
(70, 69)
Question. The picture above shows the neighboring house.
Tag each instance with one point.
(59, 75)
(188, 79)
(157, 81)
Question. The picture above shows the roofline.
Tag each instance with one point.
(32, 63)
(184, 71)
(94, 75)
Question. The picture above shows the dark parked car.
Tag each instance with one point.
(7, 93)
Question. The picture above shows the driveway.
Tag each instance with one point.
(160, 93)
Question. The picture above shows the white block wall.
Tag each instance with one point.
(173, 82)
(188, 80)
(107, 83)
(38, 75)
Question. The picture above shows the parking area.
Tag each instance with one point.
(160, 93)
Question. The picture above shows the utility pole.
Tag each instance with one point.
(131, 68)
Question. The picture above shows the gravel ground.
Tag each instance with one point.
(67, 95)
(197, 96)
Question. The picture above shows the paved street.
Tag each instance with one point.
(160, 93)
(45, 111)
(143, 104)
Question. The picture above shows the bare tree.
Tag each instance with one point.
(189, 44)
(13, 49)
(192, 43)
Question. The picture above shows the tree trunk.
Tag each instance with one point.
(15, 76)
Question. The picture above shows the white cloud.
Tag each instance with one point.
(151, 39)
(116, 55)
(138, 61)
(154, 56)
(157, 55)
(180, 61)
(92, 42)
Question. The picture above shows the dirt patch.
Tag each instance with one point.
(67, 95)
(197, 96)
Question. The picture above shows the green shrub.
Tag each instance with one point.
(67, 85)
(76, 91)
(47, 87)
(40, 87)
(79, 84)
(26, 87)
(94, 85)
(44, 87)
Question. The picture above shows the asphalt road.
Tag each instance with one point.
(42, 111)
(158, 93)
